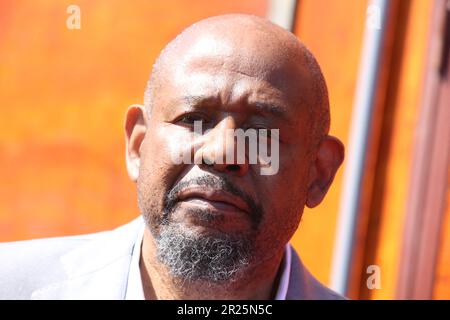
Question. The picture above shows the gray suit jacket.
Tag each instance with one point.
(95, 266)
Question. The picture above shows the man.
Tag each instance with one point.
(213, 227)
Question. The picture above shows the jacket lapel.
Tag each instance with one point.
(98, 269)
(304, 286)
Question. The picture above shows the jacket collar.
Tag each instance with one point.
(304, 286)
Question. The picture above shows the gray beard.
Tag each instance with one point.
(211, 258)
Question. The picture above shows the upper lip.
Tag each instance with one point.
(214, 195)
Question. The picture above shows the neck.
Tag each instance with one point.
(256, 283)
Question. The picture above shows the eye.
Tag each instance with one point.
(190, 118)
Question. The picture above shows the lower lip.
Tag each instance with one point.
(213, 205)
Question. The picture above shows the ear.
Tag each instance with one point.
(329, 157)
(135, 129)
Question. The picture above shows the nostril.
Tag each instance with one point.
(233, 167)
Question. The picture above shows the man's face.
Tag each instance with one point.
(224, 86)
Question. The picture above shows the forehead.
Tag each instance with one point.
(237, 69)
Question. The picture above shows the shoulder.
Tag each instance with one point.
(27, 265)
(33, 263)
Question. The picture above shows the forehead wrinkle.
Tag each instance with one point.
(211, 102)
(248, 90)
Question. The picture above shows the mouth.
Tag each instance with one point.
(213, 199)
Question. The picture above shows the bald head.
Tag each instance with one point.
(244, 76)
(249, 45)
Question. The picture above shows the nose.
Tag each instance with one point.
(219, 150)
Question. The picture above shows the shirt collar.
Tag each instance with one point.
(135, 291)
(283, 285)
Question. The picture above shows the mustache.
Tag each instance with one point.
(222, 183)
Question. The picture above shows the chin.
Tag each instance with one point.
(199, 253)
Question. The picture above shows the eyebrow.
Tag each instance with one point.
(260, 106)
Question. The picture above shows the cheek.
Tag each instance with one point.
(156, 177)
(284, 194)
(292, 173)
(158, 170)
(173, 144)
(161, 147)
(153, 167)
(284, 207)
